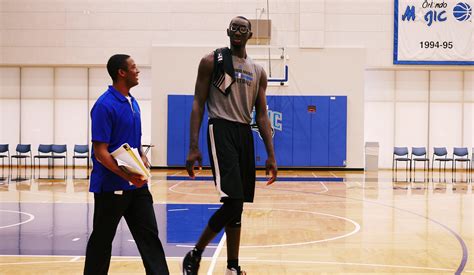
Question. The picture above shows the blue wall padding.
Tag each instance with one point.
(337, 130)
(176, 130)
(306, 139)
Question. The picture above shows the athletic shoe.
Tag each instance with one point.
(191, 263)
(234, 271)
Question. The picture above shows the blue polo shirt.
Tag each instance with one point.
(115, 122)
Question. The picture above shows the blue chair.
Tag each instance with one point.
(59, 152)
(440, 154)
(401, 154)
(44, 152)
(23, 152)
(418, 154)
(80, 152)
(4, 154)
(460, 154)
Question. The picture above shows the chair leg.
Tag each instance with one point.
(453, 172)
(414, 172)
(445, 171)
(410, 163)
(439, 171)
(18, 168)
(3, 167)
(427, 170)
(406, 171)
(393, 166)
(396, 170)
(73, 168)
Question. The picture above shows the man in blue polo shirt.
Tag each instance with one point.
(115, 121)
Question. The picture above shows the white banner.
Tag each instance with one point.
(439, 32)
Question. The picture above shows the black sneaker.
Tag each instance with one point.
(191, 263)
(234, 271)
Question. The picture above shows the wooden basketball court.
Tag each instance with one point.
(311, 222)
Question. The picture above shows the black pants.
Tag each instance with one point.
(136, 206)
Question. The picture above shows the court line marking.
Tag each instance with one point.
(325, 187)
(31, 217)
(188, 246)
(131, 259)
(355, 264)
(40, 193)
(464, 249)
(172, 189)
(138, 259)
(178, 209)
(177, 173)
(75, 259)
(82, 256)
(152, 182)
(187, 193)
(216, 255)
(356, 229)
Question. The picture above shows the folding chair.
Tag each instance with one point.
(23, 152)
(419, 154)
(59, 152)
(460, 154)
(44, 152)
(440, 154)
(4, 154)
(80, 152)
(401, 154)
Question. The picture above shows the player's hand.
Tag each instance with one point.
(137, 180)
(193, 156)
(271, 167)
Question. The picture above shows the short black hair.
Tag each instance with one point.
(245, 18)
(115, 63)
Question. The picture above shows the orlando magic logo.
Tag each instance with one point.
(462, 11)
(275, 122)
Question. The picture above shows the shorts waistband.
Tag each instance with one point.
(221, 120)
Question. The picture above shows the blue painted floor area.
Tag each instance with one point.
(63, 229)
(186, 222)
(298, 179)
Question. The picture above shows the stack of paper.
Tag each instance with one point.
(129, 159)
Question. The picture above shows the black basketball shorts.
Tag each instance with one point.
(231, 152)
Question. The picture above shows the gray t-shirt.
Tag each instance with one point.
(238, 105)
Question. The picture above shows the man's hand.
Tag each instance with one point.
(271, 166)
(136, 180)
(193, 156)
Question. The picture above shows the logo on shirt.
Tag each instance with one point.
(243, 76)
